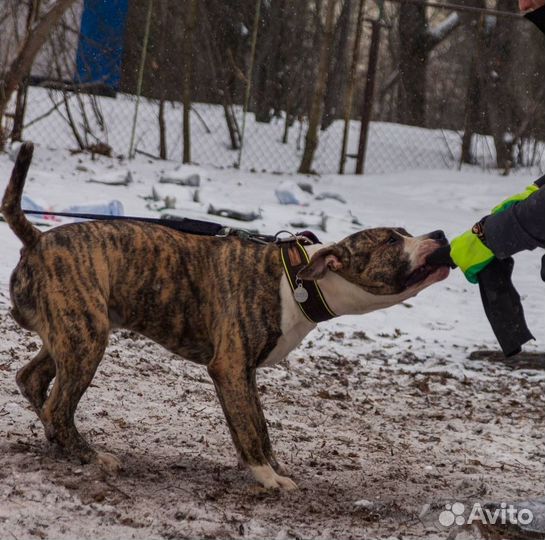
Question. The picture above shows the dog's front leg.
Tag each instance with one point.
(261, 423)
(235, 386)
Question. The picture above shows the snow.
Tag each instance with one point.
(377, 360)
(444, 28)
(289, 192)
(391, 147)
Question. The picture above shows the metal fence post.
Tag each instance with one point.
(367, 104)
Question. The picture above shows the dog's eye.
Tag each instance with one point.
(392, 240)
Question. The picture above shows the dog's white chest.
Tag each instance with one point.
(285, 345)
(294, 326)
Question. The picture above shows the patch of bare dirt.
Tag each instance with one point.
(376, 441)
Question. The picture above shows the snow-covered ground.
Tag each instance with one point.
(386, 408)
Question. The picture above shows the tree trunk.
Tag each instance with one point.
(187, 80)
(337, 73)
(311, 139)
(349, 98)
(232, 125)
(162, 130)
(20, 104)
(265, 56)
(163, 67)
(248, 79)
(413, 63)
(270, 61)
(217, 67)
(22, 63)
(474, 29)
(20, 108)
(288, 120)
(293, 72)
(499, 99)
(368, 96)
(471, 114)
(262, 103)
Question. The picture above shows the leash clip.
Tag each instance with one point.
(280, 240)
(224, 232)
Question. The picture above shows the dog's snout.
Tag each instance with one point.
(439, 236)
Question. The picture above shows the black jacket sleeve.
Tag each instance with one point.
(537, 17)
(521, 227)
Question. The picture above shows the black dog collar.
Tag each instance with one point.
(307, 294)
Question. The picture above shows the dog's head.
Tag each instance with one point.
(382, 261)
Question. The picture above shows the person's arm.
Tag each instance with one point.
(516, 224)
(484, 255)
(520, 227)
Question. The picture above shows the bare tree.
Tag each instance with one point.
(20, 66)
(474, 121)
(294, 80)
(219, 77)
(491, 104)
(270, 60)
(21, 99)
(499, 99)
(349, 97)
(163, 68)
(417, 39)
(413, 61)
(190, 23)
(316, 107)
(336, 84)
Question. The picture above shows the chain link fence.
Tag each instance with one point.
(449, 88)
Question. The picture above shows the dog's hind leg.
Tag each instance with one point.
(77, 352)
(34, 378)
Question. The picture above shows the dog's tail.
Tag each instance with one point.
(11, 203)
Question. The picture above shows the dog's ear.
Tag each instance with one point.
(328, 258)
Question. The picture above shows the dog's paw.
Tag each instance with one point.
(108, 463)
(286, 483)
(269, 479)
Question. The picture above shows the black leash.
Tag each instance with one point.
(185, 225)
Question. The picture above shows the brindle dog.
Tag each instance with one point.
(222, 302)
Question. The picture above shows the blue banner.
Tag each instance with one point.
(100, 48)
